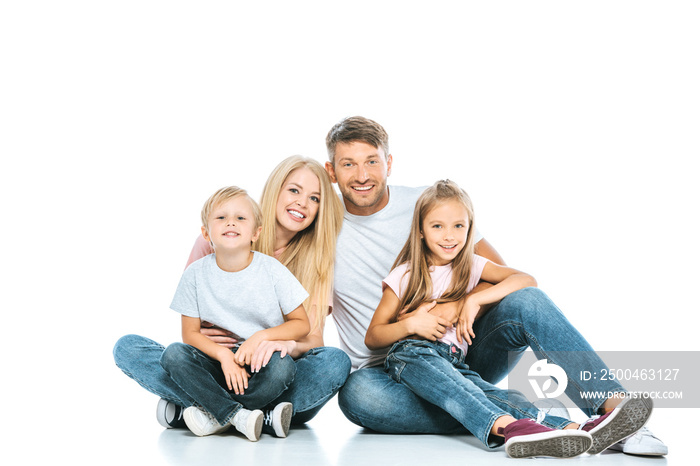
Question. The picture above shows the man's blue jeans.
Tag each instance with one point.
(525, 318)
(320, 372)
(437, 373)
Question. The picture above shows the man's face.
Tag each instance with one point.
(361, 171)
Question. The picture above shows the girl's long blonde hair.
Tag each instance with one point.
(416, 254)
(310, 255)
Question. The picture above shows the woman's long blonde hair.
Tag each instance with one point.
(310, 255)
(416, 254)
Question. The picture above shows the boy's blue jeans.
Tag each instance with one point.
(525, 318)
(320, 372)
(437, 373)
(201, 377)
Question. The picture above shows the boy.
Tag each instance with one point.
(250, 294)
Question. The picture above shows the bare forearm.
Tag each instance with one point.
(490, 294)
(310, 341)
(290, 330)
(205, 345)
(381, 336)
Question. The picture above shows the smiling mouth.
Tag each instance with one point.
(449, 248)
(296, 214)
(362, 189)
(231, 234)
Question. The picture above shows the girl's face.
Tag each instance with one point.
(298, 201)
(445, 230)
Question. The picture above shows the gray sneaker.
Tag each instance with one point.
(277, 420)
(169, 414)
(249, 423)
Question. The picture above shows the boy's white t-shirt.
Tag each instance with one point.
(441, 277)
(366, 249)
(243, 302)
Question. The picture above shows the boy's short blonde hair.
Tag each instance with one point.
(226, 194)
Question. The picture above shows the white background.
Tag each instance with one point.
(573, 125)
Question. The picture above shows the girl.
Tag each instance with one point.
(428, 352)
(302, 216)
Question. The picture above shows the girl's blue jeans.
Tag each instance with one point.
(525, 318)
(319, 374)
(437, 373)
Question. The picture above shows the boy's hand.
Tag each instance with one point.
(245, 352)
(426, 325)
(464, 327)
(265, 350)
(236, 376)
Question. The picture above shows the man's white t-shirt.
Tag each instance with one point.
(366, 249)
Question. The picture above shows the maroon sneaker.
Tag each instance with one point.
(620, 423)
(526, 438)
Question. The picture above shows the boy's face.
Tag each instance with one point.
(232, 225)
(361, 171)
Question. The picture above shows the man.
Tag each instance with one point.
(375, 227)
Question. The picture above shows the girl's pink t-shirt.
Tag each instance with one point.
(441, 276)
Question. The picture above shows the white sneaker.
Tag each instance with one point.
(552, 407)
(642, 443)
(202, 423)
(277, 420)
(169, 414)
(249, 423)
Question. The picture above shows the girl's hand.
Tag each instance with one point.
(218, 335)
(464, 327)
(426, 325)
(265, 350)
(235, 375)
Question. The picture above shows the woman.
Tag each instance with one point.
(307, 215)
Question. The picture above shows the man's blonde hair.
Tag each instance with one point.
(226, 194)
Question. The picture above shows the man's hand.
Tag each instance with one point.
(448, 311)
(425, 325)
(218, 335)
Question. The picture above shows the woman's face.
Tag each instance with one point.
(298, 201)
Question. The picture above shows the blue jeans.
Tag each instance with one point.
(320, 372)
(201, 377)
(437, 373)
(525, 318)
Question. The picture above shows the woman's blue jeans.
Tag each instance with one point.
(320, 372)
(525, 318)
(437, 373)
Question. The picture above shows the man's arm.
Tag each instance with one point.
(484, 249)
